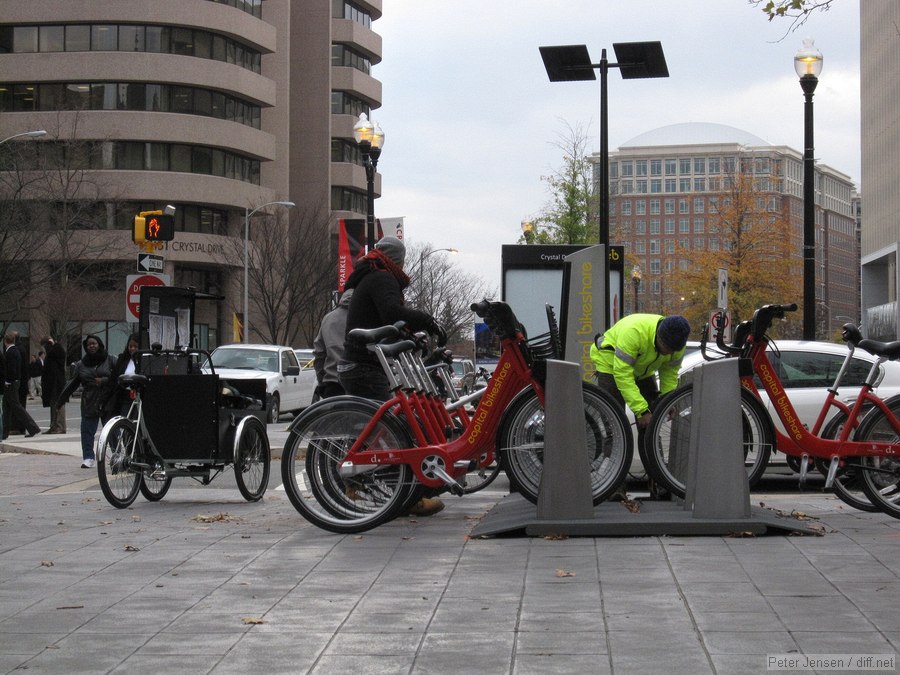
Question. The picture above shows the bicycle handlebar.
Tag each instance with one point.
(499, 317)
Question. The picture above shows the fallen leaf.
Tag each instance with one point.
(135, 518)
(741, 534)
(564, 573)
(129, 547)
(217, 518)
(71, 607)
(556, 537)
(253, 620)
(46, 563)
(631, 505)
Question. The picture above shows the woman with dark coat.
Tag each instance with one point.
(118, 402)
(92, 373)
(52, 382)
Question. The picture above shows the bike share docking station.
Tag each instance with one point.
(717, 500)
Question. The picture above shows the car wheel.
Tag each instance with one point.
(274, 410)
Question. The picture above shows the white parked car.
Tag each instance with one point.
(289, 388)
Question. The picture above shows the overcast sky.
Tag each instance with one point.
(470, 118)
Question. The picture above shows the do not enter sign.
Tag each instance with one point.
(133, 285)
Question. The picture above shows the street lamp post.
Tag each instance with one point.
(636, 282)
(370, 138)
(31, 134)
(572, 63)
(247, 214)
(808, 65)
(528, 231)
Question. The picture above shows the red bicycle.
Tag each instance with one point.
(351, 464)
(860, 446)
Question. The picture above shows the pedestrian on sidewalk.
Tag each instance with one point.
(92, 373)
(35, 370)
(328, 348)
(14, 412)
(118, 401)
(52, 382)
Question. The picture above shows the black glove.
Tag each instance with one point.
(436, 330)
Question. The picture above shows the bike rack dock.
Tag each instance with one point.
(717, 500)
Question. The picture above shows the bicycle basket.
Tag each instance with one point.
(546, 345)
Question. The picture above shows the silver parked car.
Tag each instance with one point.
(289, 388)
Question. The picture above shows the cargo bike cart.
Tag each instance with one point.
(184, 420)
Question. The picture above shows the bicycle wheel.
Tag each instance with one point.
(847, 484)
(880, 476)
(664, 448)
(252, 458)
(153, 488)
(521, 442)
(327, 494)
(118, 481)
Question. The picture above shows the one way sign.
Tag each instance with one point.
(148, 262)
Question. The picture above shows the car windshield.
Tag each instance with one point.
(246, 359)
(459, 368)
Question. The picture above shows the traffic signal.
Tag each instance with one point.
(153, 226)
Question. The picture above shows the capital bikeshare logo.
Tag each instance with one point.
(487, 403)
(781, 401)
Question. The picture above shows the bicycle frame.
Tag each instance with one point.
(436, 460)
(800, 441)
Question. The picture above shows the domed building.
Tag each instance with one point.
(668, 185)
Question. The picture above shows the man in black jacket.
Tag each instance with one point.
(378, 281)
(13, 410)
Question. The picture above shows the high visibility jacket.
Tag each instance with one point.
(628, 352)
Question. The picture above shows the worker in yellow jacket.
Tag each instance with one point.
(629, 354)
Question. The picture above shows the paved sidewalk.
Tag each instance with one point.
(204, 582)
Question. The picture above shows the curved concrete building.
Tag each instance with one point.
(214, 106)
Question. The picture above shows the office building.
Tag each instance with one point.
(880, 126)
(665, 187)
(214, 106)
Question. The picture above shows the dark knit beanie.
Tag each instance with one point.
(674, 331)
(393, 248)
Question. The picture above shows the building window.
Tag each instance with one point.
(654, 226)
(670, 225)
(641, 186)
(684, 165)
(627, 169)
(699, 205)
(640, 207)
(683, 206)
(699, 184)
(640, 227)
(670, 206)
(640, 167)
(700, 165)
(714, 165)
(655, 186)
(684, 225)
(626, 207)
(698, 225)
(684, 184)
(654, 207)
(656, 167)
(131, 96)
(671, 185)
(654, 247)
(670, 247)
(671, 167)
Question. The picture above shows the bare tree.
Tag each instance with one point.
(292, 273)
(443, 290)
(54, 227)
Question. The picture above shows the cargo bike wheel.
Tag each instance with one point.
(336, 498)
(118, 481)
(252, 458)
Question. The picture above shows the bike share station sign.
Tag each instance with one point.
(573, 280)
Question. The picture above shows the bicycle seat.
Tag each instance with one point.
(133, 380)
(392, 350)
(369, 335)
(891, 350)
